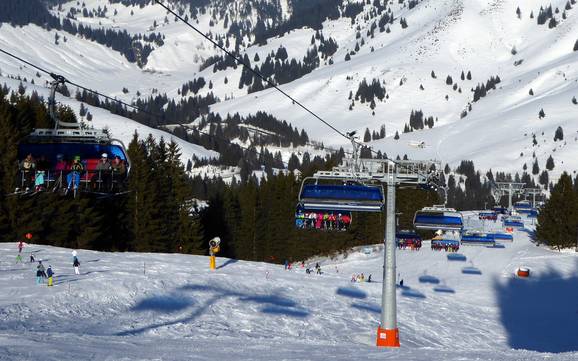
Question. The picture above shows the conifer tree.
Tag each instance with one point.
(559, 134)
(535, 167)
(558, 220)
(550, 163)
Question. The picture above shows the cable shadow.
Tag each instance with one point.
(540, 313)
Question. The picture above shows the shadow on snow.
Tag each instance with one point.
(351, 292)
(179, 300)
(540, 313)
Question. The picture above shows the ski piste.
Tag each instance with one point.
(450, 308)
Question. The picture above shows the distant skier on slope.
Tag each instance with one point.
(76, 265)
(50, 274)
(40, 272)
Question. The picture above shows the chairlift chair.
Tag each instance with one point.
(70, 140)
(438, 218)
(513, 221)
(339, 195)
(473, 238)
(327, 203)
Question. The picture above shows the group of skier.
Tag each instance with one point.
(35, 173)
(322, 220)
(360, 278)
(412, 244)
(42, 272)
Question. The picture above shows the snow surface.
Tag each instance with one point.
(140, 306)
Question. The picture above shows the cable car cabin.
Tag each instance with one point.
(513, 221)
(502, 237)
(338, 196)
(54, 151)
(472, 238)
(533, 213)
(488, 216)
(408, 239)
(322, 220)
(438, 218)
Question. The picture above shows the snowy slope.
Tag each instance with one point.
(129, 306)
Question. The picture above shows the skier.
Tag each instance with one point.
(286, 264)
(369, 278)
(20, 246)
(49, 273)
(76, 265)
(31, 258)
(401, 283)
(18, 258)
(40, 272)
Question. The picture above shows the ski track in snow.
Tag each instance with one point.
(131, 306)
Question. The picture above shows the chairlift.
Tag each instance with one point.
(438, 218)
(339, 195)
(474, 238)
(54, 149)
(408, 239)
(446, 240)
(488, 216)
(513, 222)
(500, 210)
(502, 237)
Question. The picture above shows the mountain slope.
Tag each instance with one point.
(486, 38)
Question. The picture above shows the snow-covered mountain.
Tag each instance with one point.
(136, 306)
(401, 45)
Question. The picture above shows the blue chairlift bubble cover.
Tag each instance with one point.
(342, 192)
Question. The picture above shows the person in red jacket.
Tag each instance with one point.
(346, 221)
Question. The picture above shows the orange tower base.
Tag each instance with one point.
(212, 262)
(387, 338)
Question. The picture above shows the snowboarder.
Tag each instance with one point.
(76, 265)
(369, 278)
(401, 283)
(49, 273)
